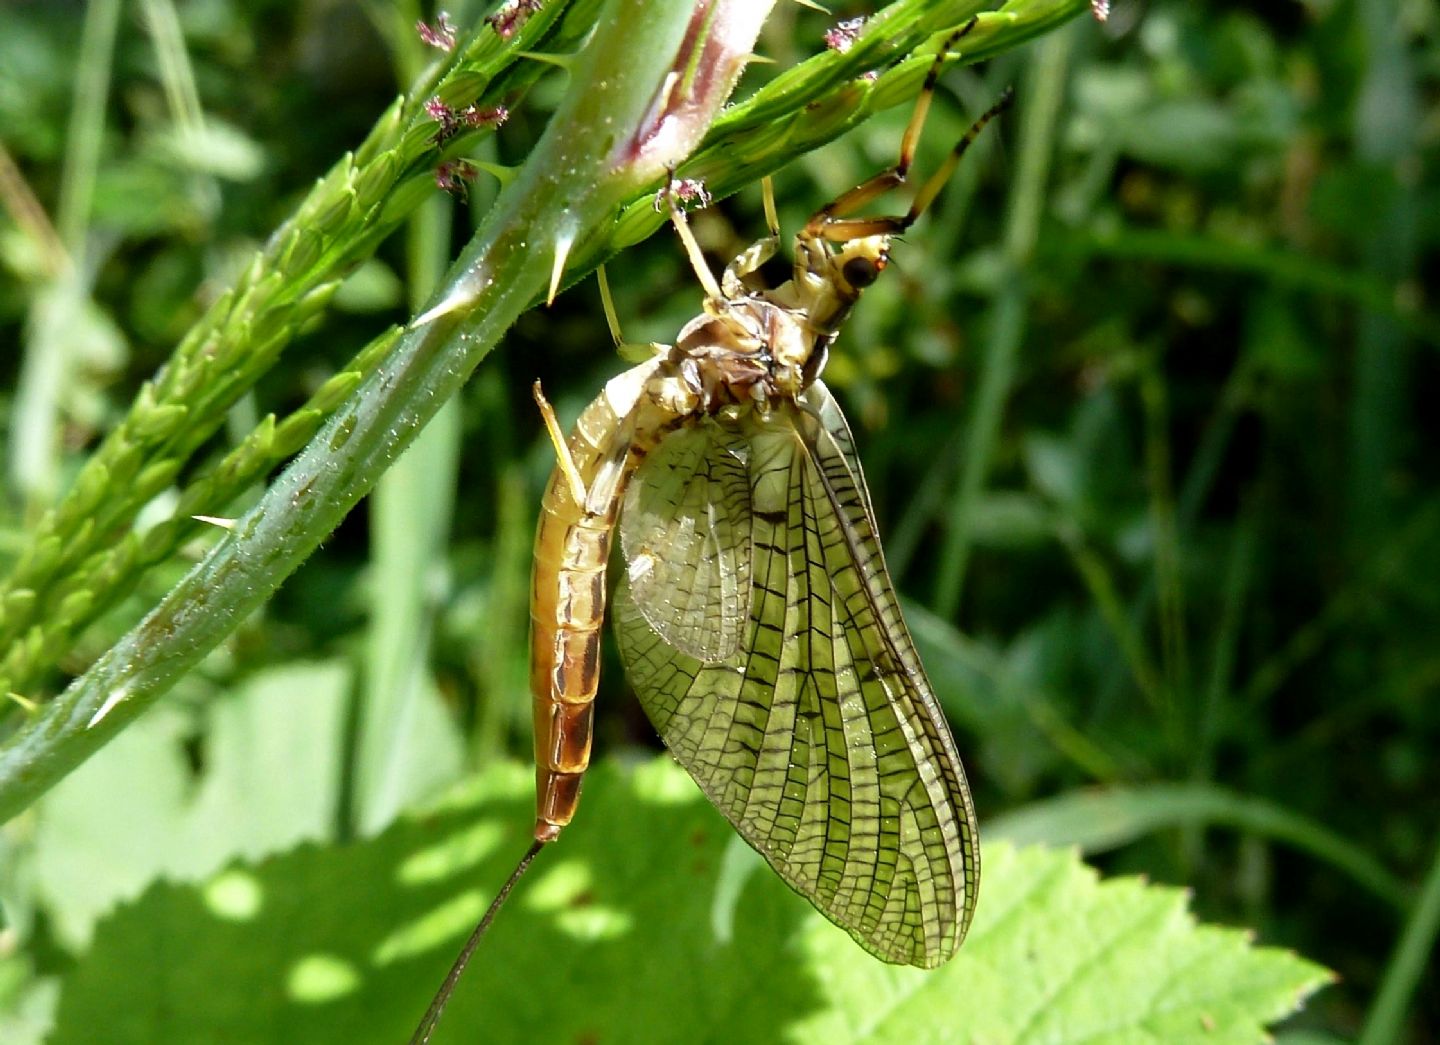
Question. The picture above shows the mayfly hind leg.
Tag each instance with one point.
(830, 221)
(563, 459)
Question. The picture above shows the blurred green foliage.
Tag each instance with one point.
(1141, 405)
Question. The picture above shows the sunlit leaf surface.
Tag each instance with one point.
(343, 943)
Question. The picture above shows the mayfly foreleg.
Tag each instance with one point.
(693, 252)
(877, 185)
(828, 222)
(831, 223)
(936, 181)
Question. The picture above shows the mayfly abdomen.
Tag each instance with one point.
(567, 604)
(567, 611)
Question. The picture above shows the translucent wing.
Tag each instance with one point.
(819, 738)
(685, 536)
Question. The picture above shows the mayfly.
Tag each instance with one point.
(755, 616)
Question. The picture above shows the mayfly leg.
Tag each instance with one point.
(752, 257)
(936, 181)
(563, 460)
(830, 222)
(635, 352)
(607, 305)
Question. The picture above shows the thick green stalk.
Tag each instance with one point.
(82, 555)
(607, 139)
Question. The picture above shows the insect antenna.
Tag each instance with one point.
(442, 996)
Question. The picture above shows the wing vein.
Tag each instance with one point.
(817, 736)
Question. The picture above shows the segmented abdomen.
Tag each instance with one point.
(567, 597)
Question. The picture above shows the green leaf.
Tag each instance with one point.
(136, 812)
(648, 921)
(26, 1003)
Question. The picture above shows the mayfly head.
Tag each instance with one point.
(828, 280)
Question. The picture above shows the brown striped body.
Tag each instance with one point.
(566, 613)
(567, 603)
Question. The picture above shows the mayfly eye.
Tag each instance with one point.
(860, 272)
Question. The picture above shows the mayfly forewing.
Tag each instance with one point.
(832, 449)
(819, 739)
(685, 540)
(820, 403)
